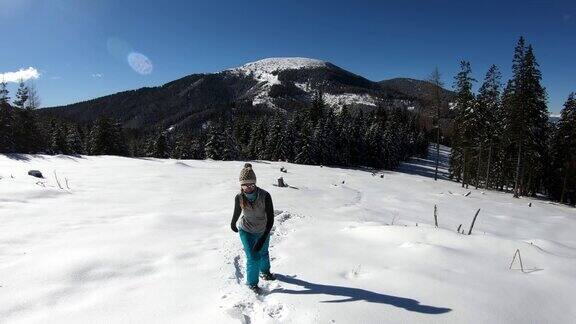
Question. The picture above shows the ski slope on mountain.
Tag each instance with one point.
(131, 240)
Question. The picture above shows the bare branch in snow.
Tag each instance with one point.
(57, 181)
(473, 221)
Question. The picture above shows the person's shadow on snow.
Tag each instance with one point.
(355, 294)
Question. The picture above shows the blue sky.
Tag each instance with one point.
(80, 47)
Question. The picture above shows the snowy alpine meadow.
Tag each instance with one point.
(105, 239)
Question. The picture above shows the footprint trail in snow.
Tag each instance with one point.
(238, 301)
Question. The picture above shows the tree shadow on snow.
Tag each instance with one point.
(418, 168)
(260, 161)
(528, 270)
(22, 157)
(71, 157)
(355, 294)
(425, 167)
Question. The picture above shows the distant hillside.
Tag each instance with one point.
(416, 89)
(270, 84)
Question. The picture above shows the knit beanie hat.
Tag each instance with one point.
(247, 175)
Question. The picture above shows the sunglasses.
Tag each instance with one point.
(251, 185)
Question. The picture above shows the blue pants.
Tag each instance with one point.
(255, 261)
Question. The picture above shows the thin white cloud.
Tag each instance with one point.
(96, 75)
(24, 75)
(56, 77)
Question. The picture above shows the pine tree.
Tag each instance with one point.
(181, 149)
(516, 121)
(536, 154)
(4, 98)
(57, 138)
(345, 136)
(257, 146)
(26, 131)
(317, 143)
(96, 145)
(214, 147)
(358, 153)
(329, 143)
(283, 147)
(292, 135)
(464, 125)
(489, 123)
(527, 118)
(304, 151)
(6, 122)
(507, 159)
(564, 152)
(275, 144)
(436, 81)
(73, 140)
(317, 107)
(374, 144)
(398, 141)
(107, 138)
(21, 95)
(33, 101)
(119, 142)
(242, 131)
(149, 145)
(161, 148)
(197, 147)
(231, 150)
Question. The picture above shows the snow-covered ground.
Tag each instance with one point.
(149, 241)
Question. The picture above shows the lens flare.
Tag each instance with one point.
(118, 47)
(140, 63)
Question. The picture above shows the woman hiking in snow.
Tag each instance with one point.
(254, 204)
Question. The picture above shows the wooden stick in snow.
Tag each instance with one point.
(473, 221)
(57, 181)
(436, 215)
(519, 258)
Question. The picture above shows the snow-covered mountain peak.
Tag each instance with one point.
(273, 64)
(267, 71)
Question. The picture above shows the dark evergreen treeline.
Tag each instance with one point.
(312, 135)
(24, 130)
(18, 127)
(502, 137)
